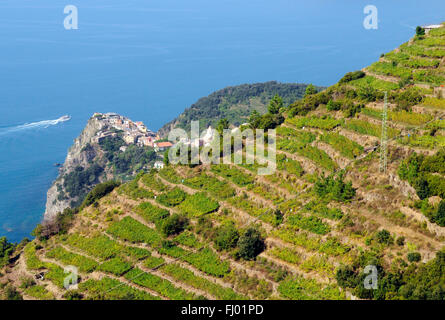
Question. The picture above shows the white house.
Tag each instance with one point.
(158, 165)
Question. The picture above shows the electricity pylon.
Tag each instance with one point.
(384, 139)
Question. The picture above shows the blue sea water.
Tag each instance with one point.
(150, 59)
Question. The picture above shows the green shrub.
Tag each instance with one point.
(111, 289)
(235, 175)
(188, 277)
(205, 259)
(116, 266)
(335, 187)
(188, 239)
(152, 213)
(198, 204)
(172, 198)
(6, 250)
(314, 122)
(99, 246)
(98, 192)
(217, 188)
(312, 224)
(39, 292)
(384, 237)
(352, 76)
(300, 288)
(414, 257)
(250, 244)
(174, 224)
(226, 237)
(347, 148)
(68, 258)
(134, 231)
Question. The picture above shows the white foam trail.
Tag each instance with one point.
(33, 125)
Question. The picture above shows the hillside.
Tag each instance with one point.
(99, 154)
(311, 230)
(235, 104)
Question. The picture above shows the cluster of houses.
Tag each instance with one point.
(134, 132)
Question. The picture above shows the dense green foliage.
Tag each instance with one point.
(131, 160)
(420, 171)
(6, 250)
(111, 289)
(325, 123)
(68, 258)
(235, 175)
(300, 288)
(116, 266)
(217, 188)
(226, 237)
(352, 76)
(99, 191)
(347, 148)
(335, 187)
(416, 282)
(188, 277)
(250, 244)
(152, 213)
(134, 231)
(78, 182)
(158, 284)
(172, 198)
(197, 205)
(236, 104)
(174, 224)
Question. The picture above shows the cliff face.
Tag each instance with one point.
(110, 147)
(79, 155)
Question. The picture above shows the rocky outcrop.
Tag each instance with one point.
(82, 153)
(91, 159)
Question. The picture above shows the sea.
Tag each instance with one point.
(151, 59)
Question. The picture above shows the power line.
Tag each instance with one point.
(384, 137)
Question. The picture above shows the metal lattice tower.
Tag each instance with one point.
(384, 139)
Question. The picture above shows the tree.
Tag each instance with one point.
(333, 106)
(346, 277)
(255, 119)
(6, 250)
(440, 215)
(384, 237)
(414, 257)
(310, 89)
(166, 159)
(422, 188)
(420, 31)
(174, 224)
(222, 125)
(99, 191)
(275, 104)
(278, 217)
(226, 237)
(250, 244)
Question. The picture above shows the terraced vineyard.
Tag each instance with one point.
(307, 231)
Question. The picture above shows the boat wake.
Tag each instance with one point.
(33, 125)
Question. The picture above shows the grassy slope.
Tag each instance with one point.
(303, 252)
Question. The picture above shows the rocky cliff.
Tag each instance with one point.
(97, 155)
(79, 155)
